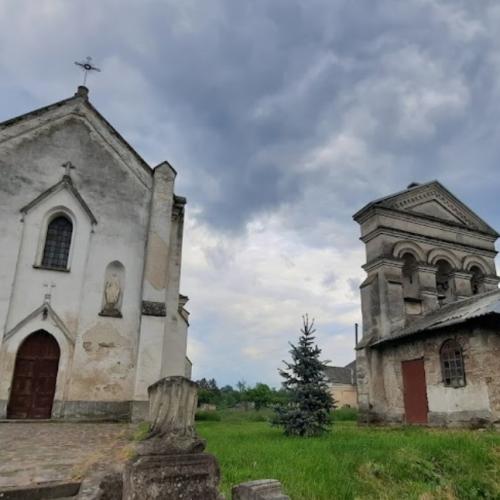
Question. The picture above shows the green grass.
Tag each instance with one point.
(357, 462)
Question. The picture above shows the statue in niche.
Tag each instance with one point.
(113, 291)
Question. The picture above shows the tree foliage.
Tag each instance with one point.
(260, 396)
(308, 412)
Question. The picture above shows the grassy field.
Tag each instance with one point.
(357, 462)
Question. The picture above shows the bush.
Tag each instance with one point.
(207, 416)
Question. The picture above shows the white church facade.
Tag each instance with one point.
(91, 246)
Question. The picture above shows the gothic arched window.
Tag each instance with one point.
(452, 364)
(477, 280)
(57, 243)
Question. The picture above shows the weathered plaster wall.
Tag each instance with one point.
(118, 191)
(344, 395)
(478, 399)
(106, 362)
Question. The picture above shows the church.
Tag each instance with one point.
(430, 352)
(90, 309)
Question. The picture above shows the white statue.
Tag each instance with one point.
(112, 293)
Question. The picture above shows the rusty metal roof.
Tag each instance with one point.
(458, 312)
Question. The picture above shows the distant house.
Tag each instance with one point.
(342, 383)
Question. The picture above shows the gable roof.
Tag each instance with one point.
(80, 97)
(341, 374)
(64, 183)
(433, 201)
(485, 304)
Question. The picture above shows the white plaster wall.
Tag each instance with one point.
(28, 287)
(104, 358)
(149, 360)
(472, 397)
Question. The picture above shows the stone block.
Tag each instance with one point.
(101, 485)
(173, 402)
(262, 489)
(181, 476)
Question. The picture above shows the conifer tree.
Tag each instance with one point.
(308, 413)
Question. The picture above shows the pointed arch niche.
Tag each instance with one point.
(114, 285)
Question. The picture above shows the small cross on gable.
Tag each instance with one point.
(68, 166)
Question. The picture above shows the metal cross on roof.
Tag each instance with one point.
(86, 67)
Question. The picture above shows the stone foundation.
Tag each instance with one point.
(139, 411)
(92, 410)
(460, 419)
(85, 410)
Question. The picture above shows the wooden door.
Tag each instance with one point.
(35, 374)
(415, 391)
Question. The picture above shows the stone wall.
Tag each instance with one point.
(478, 399)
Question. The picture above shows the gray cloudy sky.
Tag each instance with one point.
(283, 117)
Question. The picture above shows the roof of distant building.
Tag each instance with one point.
(342, 374)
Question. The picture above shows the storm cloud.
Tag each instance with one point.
(282, 118)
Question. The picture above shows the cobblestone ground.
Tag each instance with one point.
(40, 452)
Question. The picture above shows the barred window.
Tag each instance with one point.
(452, 364)
(57, 243)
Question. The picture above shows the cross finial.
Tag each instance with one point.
(68, 166)
(86, 67)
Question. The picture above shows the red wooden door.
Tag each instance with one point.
(35, 374)
(415, 391)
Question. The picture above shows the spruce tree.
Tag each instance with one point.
(308, 413)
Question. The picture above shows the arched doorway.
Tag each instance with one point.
(35, 374)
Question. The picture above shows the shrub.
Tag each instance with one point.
(207, 416)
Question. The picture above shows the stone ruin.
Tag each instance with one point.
(170, 462)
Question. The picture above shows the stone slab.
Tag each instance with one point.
(261, 489)
(40, 492)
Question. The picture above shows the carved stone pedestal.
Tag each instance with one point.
(194, 476)
(170, 463)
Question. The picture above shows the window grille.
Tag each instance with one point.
(57, 243)
(452, 364)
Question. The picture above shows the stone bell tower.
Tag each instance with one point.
(424, 249)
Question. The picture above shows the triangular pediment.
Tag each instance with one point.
(64, 184)
(45, 312)
(434, 201)
(435, 208)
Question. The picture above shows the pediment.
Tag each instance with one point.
(46, 313)
(64, 184)
(435, 208)
(434, 201)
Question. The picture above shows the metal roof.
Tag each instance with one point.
(458, 312)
